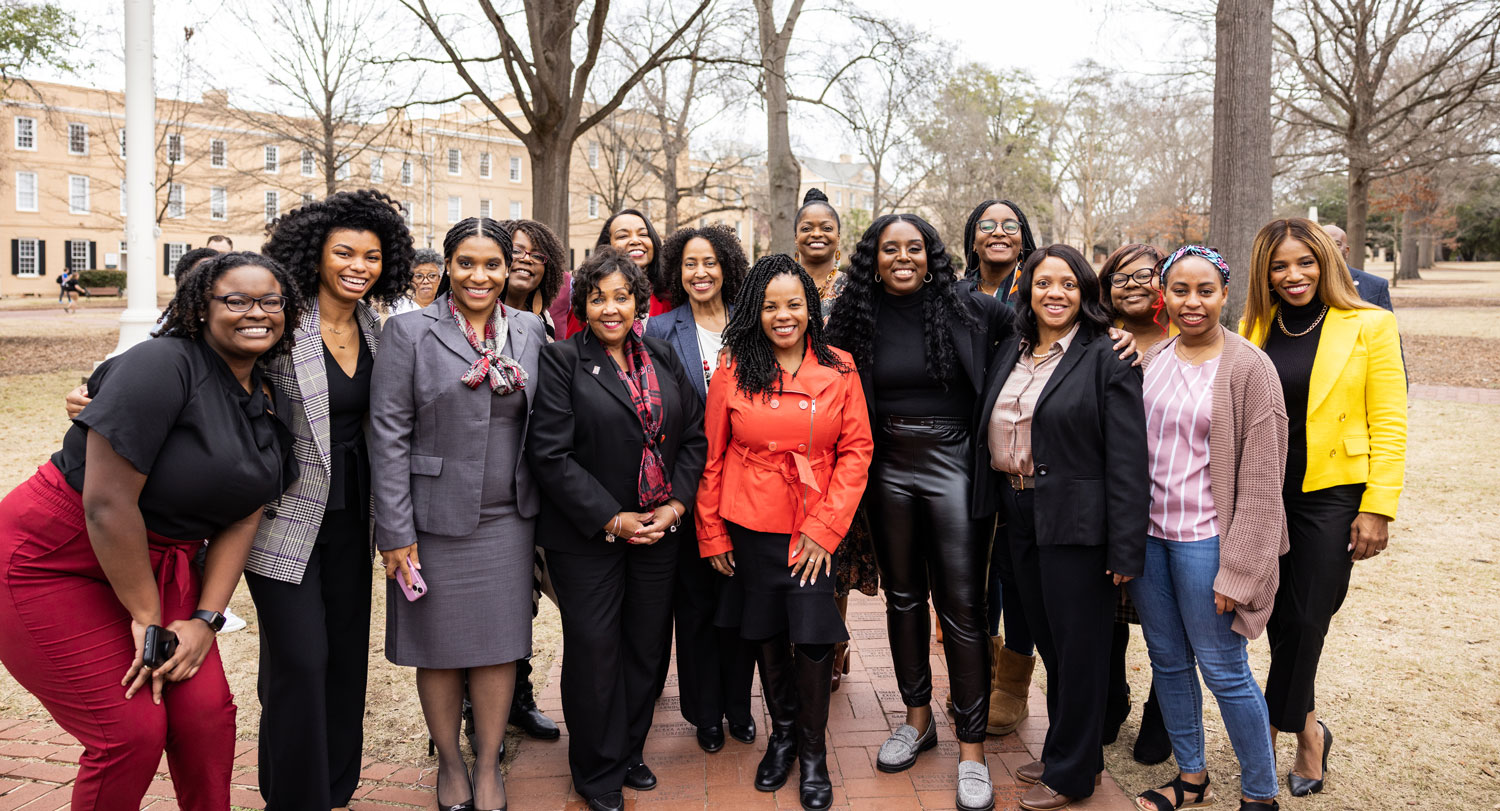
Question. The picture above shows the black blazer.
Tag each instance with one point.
(585, 444)
(1088, 440)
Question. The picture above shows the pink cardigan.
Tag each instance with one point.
(1246, 465)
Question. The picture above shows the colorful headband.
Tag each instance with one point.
(1201, 252)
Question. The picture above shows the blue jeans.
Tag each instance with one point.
(1175, 598)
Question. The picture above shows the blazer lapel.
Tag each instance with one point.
(448, 331)
(1340, 332)
(1004, 362)
(963, 341)
(597, 364)
(1069, 360)
(685, 341)
(312, 381)
(518, 342)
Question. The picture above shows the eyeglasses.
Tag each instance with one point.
(1141, 277)
(522, 254)
(241, 303)
(1011, 227)
(426, 277)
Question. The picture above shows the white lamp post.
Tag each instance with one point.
(140, 178)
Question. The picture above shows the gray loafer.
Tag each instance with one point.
(975, 791)
(900, 751)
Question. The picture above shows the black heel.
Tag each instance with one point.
(1302, 786)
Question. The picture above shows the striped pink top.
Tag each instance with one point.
(1179, 412)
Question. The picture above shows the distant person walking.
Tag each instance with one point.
(67, 284)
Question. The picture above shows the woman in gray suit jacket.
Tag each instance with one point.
(449, 403)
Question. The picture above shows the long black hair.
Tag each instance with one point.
(473, 227)
(971, 256)
(659, 284)
(185, 314)
(733, 265)
(755, 368)
(851, 327)
(543, 241)
(296, 241)
(1093, 316)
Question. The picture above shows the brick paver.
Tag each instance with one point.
(38, 760)
(1456, 394)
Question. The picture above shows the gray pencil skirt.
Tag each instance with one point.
(477, 610)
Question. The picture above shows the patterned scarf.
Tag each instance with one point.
(653, 488)
(503, 372)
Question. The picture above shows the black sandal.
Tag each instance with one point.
(1181, 788)
(1248, 805)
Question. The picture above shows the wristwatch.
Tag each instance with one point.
(214, 619)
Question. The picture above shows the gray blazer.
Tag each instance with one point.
(428, 427)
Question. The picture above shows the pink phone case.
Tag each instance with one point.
(418, 586)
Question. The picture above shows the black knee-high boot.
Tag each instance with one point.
(814, 684)
(778, 687)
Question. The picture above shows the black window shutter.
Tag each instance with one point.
(41, 257)
(15, 257)
(93, 260)
(67, 254)
(166, 261)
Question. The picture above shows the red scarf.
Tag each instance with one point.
(645, 393)
(504, 374)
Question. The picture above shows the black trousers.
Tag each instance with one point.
(715, 668)
(1070, 607)
(926, 544)
(614, 607)
(1314, 580)
(314, 656)
(1005, 597)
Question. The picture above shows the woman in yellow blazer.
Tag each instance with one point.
(1341, 372)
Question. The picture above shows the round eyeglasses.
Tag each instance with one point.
(1141, 277)
(1011, 227)
(426, 277)
(241, 303)
(522, 254)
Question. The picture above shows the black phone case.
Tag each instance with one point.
(160, 645)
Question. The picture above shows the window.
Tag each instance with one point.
(78, 254)
(273, 205)
(484, 208)
(176, 208)
(28, 258)
(344, 171)
(406, 173)
(218, 156)
(307, 199)
(218, 203)
(78, 194)
(515, 209)
(593, 205)
(122, 143)
(593, 154)
(515, 170)
(739, 230)
(26, 191)
(122, 197)
(455, 209)
(406, 211)
(173, 255)
(309, 164)
(273, 159)
(78, 139)
(838, 198)
(484, 165)
(174, 148)
(25, 133)
(455, 161)
(621, 156)
(377, 170)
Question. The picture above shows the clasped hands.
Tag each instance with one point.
(644, 529)
(194, 640)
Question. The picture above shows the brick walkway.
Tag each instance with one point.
(38, 760)
(1456, 394)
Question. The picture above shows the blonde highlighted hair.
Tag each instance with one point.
(1335, 285)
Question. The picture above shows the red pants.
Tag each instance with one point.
(65, 637)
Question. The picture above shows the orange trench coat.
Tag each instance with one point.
(796, 463)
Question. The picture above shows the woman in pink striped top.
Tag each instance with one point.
(1216, 431)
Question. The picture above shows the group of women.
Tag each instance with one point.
(672, 435)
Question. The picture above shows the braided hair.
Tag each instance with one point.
(185, 314)
(544, 241)
(851, 327)
(816, 197)
(733, 265)
(296, 240)
(971, 256)
(473, 227)
(755, 368)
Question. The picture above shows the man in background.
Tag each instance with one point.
(224, 244)
(1371, 288)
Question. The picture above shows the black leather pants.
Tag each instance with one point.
(926, 543)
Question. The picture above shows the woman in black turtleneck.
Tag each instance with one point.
(922, 349)
(1339, 360)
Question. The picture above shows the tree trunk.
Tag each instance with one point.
(1406, 267)
(1241, 196)
(1425, 255)
(1358, 193)
(550, 163)
(783, 174)
(669, 188)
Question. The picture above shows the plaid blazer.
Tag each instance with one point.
(290, 524)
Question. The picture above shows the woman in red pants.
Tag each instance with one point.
(183, 444)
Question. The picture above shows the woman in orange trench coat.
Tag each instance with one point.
(789, 447)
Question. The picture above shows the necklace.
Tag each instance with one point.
(1190, 359)
(338, 333)
(1288, 333)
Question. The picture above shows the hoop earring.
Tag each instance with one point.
(837, 256)
(928, 278)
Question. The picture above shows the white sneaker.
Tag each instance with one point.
(232, 622)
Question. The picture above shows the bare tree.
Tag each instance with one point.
(549, 88)
(1096, 167)
(783, 173)
(1241, 197)
(1378, 76)
(1173, 154)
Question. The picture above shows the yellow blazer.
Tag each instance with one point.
(1356, 407)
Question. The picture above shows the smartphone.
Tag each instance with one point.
(418, 586)
(159, 647)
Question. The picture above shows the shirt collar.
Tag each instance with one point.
(1061, 343)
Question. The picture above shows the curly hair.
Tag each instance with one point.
(971, 256)
(185, 314)
(733, 265)
(544, 241)
(188, 260)
(426, 256)
(296, 241)
(659, 285)
(1122, 256)
(755, 368)
(1093, 315)
(596, 268)
(851, 327)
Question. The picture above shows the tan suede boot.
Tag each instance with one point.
(1009, 688)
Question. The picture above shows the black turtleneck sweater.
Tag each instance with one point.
(1294, 363)
(902, 386)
